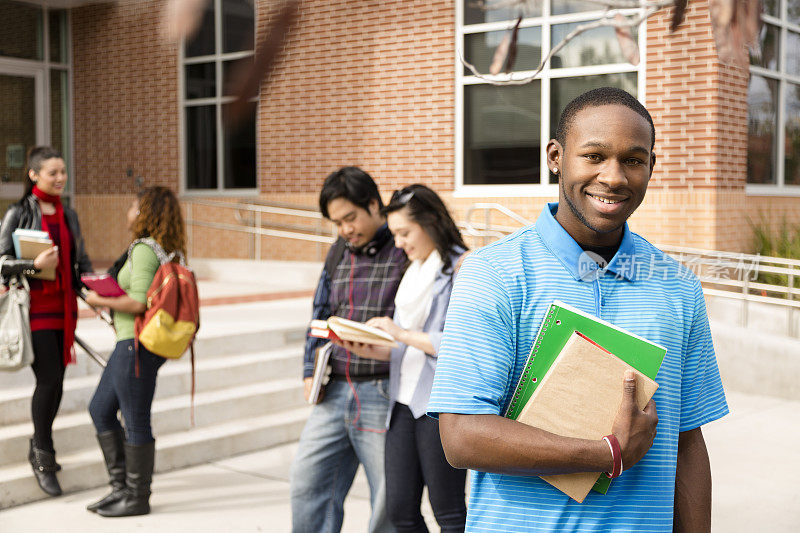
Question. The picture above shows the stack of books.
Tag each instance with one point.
(571, 384)
(28, 244)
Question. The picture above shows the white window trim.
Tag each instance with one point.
(217, 58)
(779, 188)
(543, 188)
(40, 71)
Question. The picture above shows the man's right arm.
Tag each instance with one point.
(320, 311)
(492, 443)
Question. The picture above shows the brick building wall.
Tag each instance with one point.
(125, 111)
(372, 84)
(369, 83)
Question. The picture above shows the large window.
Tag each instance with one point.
(34, 89)
(773, 100)
(215, 156)
(502, 131)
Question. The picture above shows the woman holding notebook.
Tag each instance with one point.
(54, 277)
(128, 382)
(424, 229)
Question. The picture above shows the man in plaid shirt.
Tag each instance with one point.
(347, 426)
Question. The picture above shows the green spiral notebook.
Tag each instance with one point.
(560, 321)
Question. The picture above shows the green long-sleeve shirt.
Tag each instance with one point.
(135, 283)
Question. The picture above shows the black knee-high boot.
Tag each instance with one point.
(112, 443)
(138, 476)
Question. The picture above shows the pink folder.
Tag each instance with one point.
(103, 284)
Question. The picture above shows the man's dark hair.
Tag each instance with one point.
(600, 97)
(352, 184)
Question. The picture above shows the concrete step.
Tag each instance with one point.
(224, 330)
(75, 431)
(84, 469)
(174, 378)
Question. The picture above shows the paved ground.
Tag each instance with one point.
(754, 456)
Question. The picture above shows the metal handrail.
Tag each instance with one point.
(747, 266)
(735, 284)
(254, 224)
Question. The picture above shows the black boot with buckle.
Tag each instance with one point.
(138, 476)
(112, 443)
(44, 467)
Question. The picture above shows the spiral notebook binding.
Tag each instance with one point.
(548, 319)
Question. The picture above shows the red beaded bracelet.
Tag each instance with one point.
(616, 455)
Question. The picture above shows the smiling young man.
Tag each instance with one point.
(347, 427)
(603, 155)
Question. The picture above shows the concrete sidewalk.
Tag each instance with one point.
(754, 458)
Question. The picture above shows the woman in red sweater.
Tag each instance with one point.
(54, 308)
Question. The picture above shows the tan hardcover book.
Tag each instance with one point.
(579, 397)
(30, 248)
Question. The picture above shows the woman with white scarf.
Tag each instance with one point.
(414, 458)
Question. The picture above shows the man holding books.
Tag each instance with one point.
(603, 156)
(347, 427)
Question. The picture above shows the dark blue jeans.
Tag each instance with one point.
(121, 390)
(415, 458)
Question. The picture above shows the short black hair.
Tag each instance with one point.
(352, 184)
(600, 97)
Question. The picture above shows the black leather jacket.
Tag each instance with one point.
(27, 214)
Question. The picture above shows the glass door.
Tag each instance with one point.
(22, 126)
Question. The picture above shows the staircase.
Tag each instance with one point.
(249, 397)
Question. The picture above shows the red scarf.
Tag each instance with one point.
(63, 272)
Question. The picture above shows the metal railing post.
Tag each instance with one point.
(487, 215)
(189, 232)
(257, 235)
(790, 326)
(745, 293)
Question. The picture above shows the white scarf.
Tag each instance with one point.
(412, 307)
(415, 292)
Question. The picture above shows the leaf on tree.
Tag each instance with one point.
(501, 54)
(628, 45)
(182, 18)
(735, 25)
(512, 47)
(678, 14)
(247, 81)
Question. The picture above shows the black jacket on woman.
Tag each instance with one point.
(27, 214)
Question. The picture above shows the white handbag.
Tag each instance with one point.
(16, 346)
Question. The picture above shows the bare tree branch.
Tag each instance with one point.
(608, 20)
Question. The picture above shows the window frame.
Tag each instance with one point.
(545, 21)
(218, 58)
(40, 70)
(779, 188)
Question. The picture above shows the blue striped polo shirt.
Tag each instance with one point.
(499, 299)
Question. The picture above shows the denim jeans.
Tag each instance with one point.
(331, 447)
(415, 458)
(121, 390)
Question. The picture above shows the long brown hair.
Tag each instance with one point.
(160, 218)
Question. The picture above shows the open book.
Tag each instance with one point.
(348, 330)
(579, 397)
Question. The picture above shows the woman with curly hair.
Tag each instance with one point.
(129, 380)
